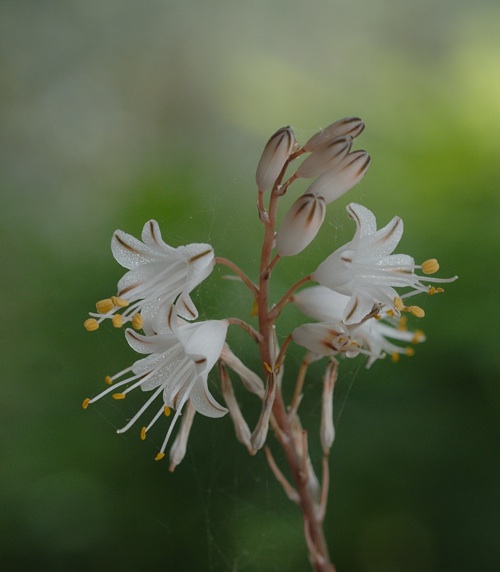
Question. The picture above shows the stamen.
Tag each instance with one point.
(159, 456)
(268, 367)
(395, 357)
(91, 325)
(120, 302)
(402, 324)
(417, 311)
(143, 434)
(86, 402)
(118, 396)
(104, 306)
(398, 304)
(117, 321)
(108, 380)
(430, 266)
(167, 411)
(137, 322)
(409, 351)
(418, 337)
(433, 290)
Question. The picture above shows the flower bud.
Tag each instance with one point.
(273, 158)
(336, 181)
(351, 126)
(324, 158)
(301, 224)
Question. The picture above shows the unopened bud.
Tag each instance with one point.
(351, 126)
(301, 224)
(275, 154)
(324, 158)
(336, 181)
(178, 449)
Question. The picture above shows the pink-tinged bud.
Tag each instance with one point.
(301, 224)
(324, 158)
(178, 449)
(327, 429)
(349, 126)
(338, 180)
(275, 154)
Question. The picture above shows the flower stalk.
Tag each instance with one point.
(358, 307)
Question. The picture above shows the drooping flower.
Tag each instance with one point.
(158, 273)
(366, 270)
(331, 336)
(176, 368)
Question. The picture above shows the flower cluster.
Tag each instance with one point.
(359, 305)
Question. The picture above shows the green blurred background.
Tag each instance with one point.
(116, 112)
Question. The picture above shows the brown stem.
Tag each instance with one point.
(287, 429)
(237, 270)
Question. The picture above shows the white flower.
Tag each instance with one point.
(158, 273)
(365, 270)
(371, 337)
(176, 367)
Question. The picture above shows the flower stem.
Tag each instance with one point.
(287, 427)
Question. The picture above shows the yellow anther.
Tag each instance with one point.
(395, 357)
(398, 304)
(268, 367)
(143, 434)
(159, 457)
(418, 337)
(120, 302)
(409, 351)
(104, 306)
(255, 309)
(117, 321)
(166, 411)
(137, 322)
(390, 313)
(417, 311)
(402, 324)
(119, 395)
(91, 325)
(378, 317)
(439, 290)
(430, 266)
(86, 402)
(108, 380)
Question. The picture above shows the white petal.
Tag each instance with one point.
(365, 220)
(130, 252)
(321, 303)
(149, 344)
(204, 401)
(204, 340)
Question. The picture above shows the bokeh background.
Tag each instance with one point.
(116, 112)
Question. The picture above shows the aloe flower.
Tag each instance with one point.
(372, 337)
(176, 368)
(158, 273)
(366, 270)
